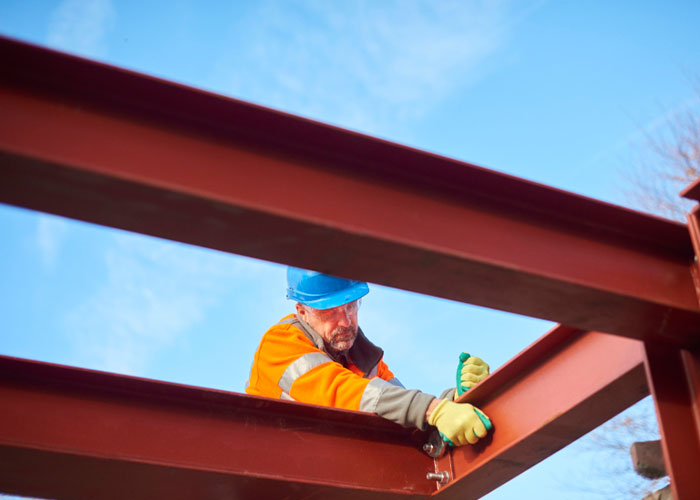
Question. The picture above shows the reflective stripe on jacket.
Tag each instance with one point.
(292, 363)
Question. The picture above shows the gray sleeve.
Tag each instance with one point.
(404, 406)
(448, 394)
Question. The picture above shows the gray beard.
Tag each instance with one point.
(339, 331)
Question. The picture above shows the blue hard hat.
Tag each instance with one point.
(322, 291)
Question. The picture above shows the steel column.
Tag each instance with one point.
(674, 380)
(563, 386)
(96, 143)
(79, 434)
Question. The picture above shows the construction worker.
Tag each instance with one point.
(320, 355)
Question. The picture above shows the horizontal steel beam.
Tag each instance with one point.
(109, 146)
(79, 434)
(563, 386)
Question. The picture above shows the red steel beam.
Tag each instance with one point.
(79, 434)
(692, 192)
(109, 146)
(560, 388)
(73, 433)
(674, 379)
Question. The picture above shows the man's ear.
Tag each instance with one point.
(301, 311)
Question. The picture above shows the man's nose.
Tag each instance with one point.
(345, 317)
(344, 320)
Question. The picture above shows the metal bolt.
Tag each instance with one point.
(441, 477)
(435, 447)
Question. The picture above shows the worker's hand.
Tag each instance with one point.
(459, 422)
(473, 370)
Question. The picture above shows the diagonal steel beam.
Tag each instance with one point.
(79, 434)
(561, 387)
(101, 144)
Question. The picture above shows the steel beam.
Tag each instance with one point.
(109, 146)
(563, 386)
(72, 433)
(79, 434)
(674, 378)
(692, 192)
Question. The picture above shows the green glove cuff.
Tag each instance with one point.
(484, 419)
(460, 388)
(447, 440)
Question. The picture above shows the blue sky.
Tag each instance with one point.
(560, 92)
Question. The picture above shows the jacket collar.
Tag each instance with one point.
(363, 353)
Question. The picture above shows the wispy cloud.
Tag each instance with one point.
(80, 26)
(655, 126)
(50, 234)
(647, 181)
(154, 292)
(362, 64)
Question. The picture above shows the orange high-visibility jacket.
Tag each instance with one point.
(292, 363)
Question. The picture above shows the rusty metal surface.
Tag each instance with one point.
(79, 434)
(560, 388)
(101, 144)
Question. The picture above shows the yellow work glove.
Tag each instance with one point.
(458, 422)
(473, 371)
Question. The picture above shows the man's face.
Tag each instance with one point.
(337, 326)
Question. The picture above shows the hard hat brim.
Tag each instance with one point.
(355, 291)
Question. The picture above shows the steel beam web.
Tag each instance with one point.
(97, 143)
(563, 386)
(80, 434)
